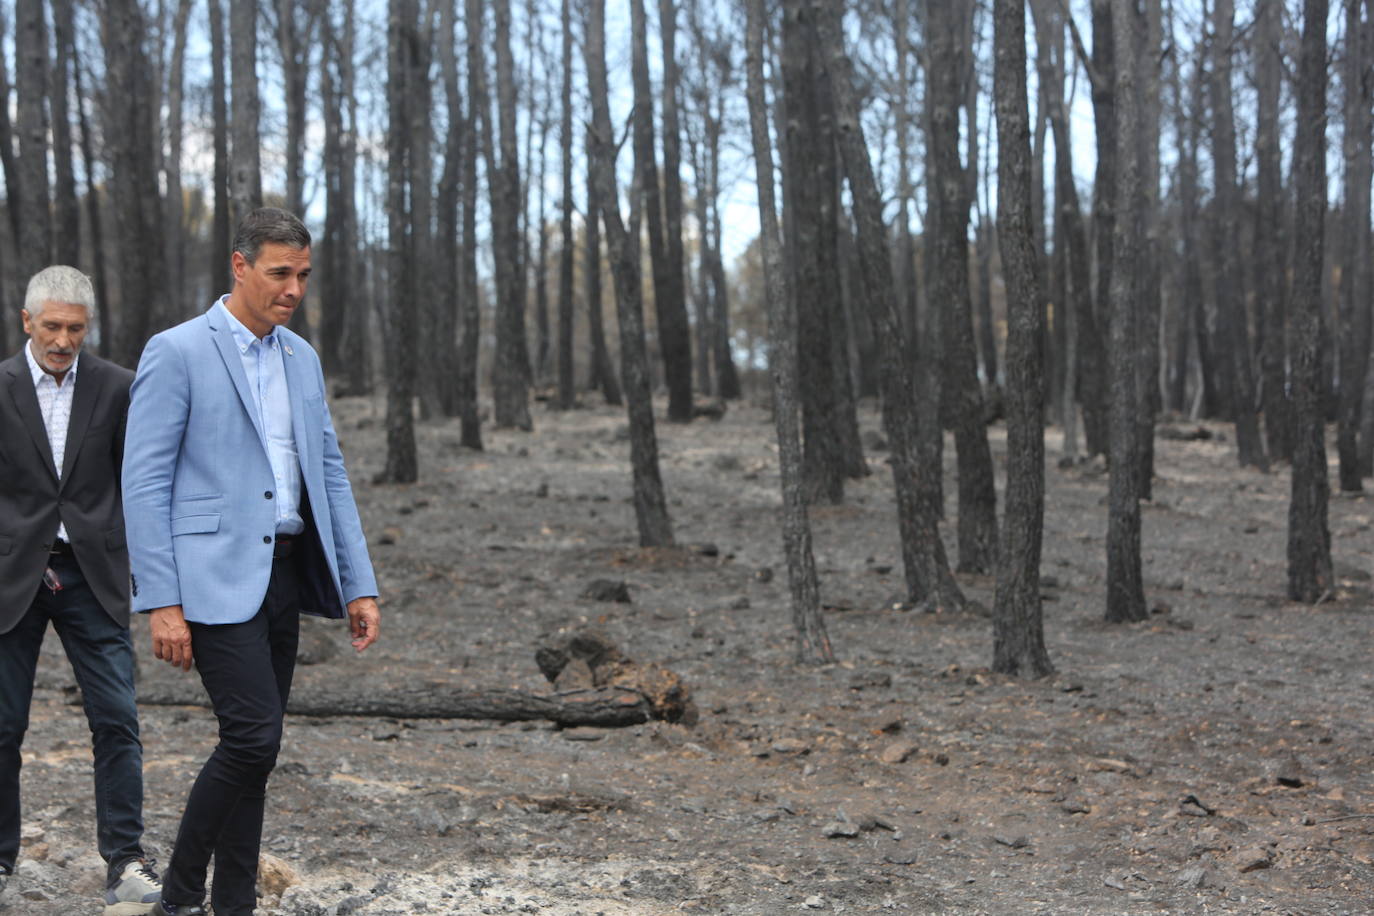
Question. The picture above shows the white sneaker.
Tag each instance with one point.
(136, 892)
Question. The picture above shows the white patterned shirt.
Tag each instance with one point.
(55, 403)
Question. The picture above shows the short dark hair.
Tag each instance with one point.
(269, 224)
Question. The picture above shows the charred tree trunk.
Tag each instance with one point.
(479, 113)
(1192, 319)
(1091, 386)
(543, 331)
(651, 509)
(811, 193)
(129, 137)
(429, 304)
(929, 581)
(447, 243)
(674, 335)
(1355, 250)
(330, 254)
(1103, 78)
(220, 278)
(1233, 332)
(66, 208)
(175, 219)
(34, 240)
(813, 643)
(1149, 268)
(603, 375)
(13, 179)
(947, 214)
(402, 465)
(296, 23)
(1309, 538)
(567, 389)
(245, 166)
(510, 368)
(1270, 253)
(1018, 630)
(678, 363)
(93, 216)
(1125, 586)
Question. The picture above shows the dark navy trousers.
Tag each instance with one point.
(102, 657)
(246, 669)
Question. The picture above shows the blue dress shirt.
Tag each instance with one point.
(262, 363)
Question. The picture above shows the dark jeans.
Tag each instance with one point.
(102, 657)
(246, 669)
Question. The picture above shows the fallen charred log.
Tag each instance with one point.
(595, 685)
(610, 707)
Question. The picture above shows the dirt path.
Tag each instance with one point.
(1215, 759)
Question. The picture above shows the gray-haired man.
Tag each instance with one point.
(63, 561)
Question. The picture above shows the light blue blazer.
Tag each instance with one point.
(198, 487)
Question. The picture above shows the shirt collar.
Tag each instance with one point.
(244, 338)
(38, 372)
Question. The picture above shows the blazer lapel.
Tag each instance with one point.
(295, 387)
(87, 381)
(233, 363)
(26, 403)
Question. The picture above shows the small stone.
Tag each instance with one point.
(1194, 878)
(576, 675)
(901, 857)
(790, 747)
(1193, 807)
(764, 574)
(1014, 842)
(275, 876)
(898, 752)
(1252, 858)
(1110, 765)
(840, 829)
(607, 590)
(877, 679)
(871, 821)
(815, 902)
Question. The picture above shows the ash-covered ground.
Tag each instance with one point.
(1214, 759)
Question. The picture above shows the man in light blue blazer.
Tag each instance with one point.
(239, 517)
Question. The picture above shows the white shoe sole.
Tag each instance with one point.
(129, 908)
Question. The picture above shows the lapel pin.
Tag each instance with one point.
(289, 351)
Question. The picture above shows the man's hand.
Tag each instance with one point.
(171, 636)
(364, 620)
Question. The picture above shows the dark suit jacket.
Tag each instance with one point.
(88, 498)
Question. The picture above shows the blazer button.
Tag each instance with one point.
(267, 495)
(266, 540)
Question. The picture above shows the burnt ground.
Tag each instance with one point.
(1214, 759)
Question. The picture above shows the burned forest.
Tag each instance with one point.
(854, 456)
